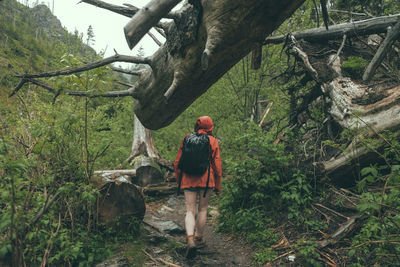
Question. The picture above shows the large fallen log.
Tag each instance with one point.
(356, 28)
(147, 172)
(204, 40)
(119, 200)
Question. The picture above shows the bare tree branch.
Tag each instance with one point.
(362, 27)
(49, 202)
(124, 83)
(154, 38)
(128, 11)
(339, 50)
(346, 12)
(380, 54)
(131, 72)
(146, 18)
(45, 86)
(160, 31)
(89, 66)
(18, 87)
(123, 93)
(304, 57)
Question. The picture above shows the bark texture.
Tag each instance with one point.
(226, 32)
(120, 199)
(143, 142)
(366, 109)
(147, 172)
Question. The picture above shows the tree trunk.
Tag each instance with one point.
(227, 32)
(147, 172)
(143, 142)
(119, 199)
(204, 40)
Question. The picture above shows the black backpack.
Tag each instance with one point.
(195, 157)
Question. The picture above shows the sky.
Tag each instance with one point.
(107, 26)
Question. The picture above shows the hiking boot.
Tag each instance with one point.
(199, 241)
(190, 247)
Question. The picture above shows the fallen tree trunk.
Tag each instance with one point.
(119, 200)
(367, 110)
(159, 190)
(117, 173)
(205, 39)
(147, 172)
(356, 28)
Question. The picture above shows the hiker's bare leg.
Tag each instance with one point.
(191, 203)
(202, 213)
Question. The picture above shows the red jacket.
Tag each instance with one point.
(197, 181)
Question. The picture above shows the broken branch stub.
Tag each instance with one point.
(146, 18)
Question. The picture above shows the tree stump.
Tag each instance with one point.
(147, 172)
(120, 199)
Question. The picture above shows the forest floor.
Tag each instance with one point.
(220, 250)
(163, 240)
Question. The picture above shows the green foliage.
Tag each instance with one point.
(382, 7)
(261, 188)
(49, 149)
(307, 253)
(354, 66)
(379, 236)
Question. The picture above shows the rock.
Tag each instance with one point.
(167, 227)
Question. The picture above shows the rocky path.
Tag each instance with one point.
(165, 219)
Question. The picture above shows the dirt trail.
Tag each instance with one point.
(221, 249)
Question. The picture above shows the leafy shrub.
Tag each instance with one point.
(262, 187)
(378, 239)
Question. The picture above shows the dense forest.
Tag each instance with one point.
(301, 182)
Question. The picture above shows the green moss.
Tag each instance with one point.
(354, 66)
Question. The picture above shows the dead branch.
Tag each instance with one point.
(131, 72)
(168, 263)
(160, 31)
(154, 38)
(339, 50)
(303, 56)
(124, 83)
(331, 210)
(357, 28)
(121, 172)
(123, 93)
(48, 204)
(128, 11)
(267, 109)
(380, 54)
(340, 232)
(346, 12)
(92, 65)
(89, 66)
(146, 18)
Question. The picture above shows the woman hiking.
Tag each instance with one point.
(198, 173)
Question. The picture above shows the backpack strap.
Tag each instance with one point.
(208, 179)
(178, 191)
(209, 168)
